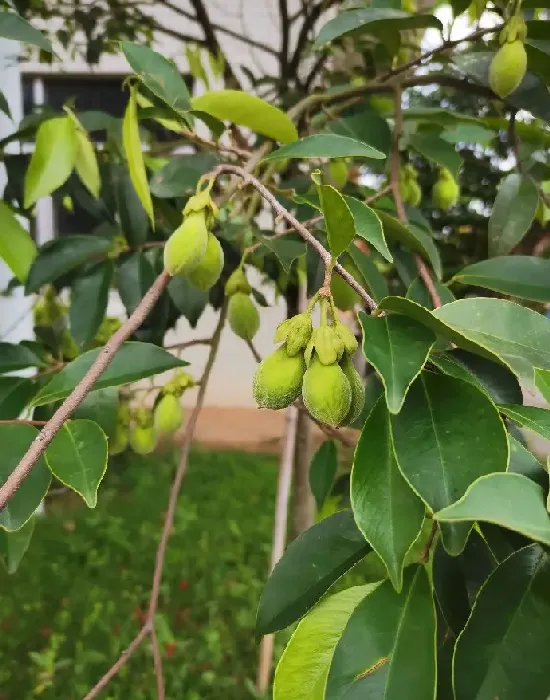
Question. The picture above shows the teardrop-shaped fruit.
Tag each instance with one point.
(186, 247)
(327, 344)
(508, 68)
(119, 441)
(357, 390)
(278, 379)
(344, 296)
(243, 316)
(143, 416)
(168, 415)
(237, 282)
(446, 191)
(208, 271)
(338, 173)
(347, 337)
(326, 393)
(142, 440)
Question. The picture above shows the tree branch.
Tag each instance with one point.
(157, 661)
(285, 30)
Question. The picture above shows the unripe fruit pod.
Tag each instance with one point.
(243, 316)
(119, 441)
(186, 247)
(357, 390)
(326, 393)
(142, 440)
(327, 344)
(344, 296)
(414, 193)
(347, 337)
(508, 68)
(295, 332)
(143, 417)
(382, 104)
(168, 415)
(278, 379)
(208, 271)
(446, 191)
(338, 173)
(237, 282)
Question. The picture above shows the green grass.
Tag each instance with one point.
(76, 600)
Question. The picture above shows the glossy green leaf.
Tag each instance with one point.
(59, 256)
(418, 292)
(388, 647)
(134, 156)
(367, 126)
(15, 393)
(13, 26)
(373, 20)
(16, 438)
(513, 211)
(374, 280)
(133, 218)
(17, 248)
(13, 545)
(398, 349)
(133, 361)
(287, 249)
(522, 276)
(77, 456)
(325, 146)
(533, 417)
(308, 568)
(502, 652)
(368, 226)
(386, 510)
(53, 158)
(322, 471)
(134, 277)
(524, 462)
(443, 446)
(86, 163)
(100, 406)
(542, 382)
(302, 671)
(339, 221)
(434, 148)
(187, 299)
(14, 357)
(181, 174)
(468, 133)
(248, 110)
(89, 298)
(450, 588)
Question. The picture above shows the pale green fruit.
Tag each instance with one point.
(243, 316)
(338, 173)
(186, 247)
(168, 415)
(326, 393)
(344, 296)
(357, 390)
(347, 338)
(327, 344)
(237, 282)
(295, 332)
(142, 440)
(446, 191)
(508, 68)
(123, 414)
(119, 441)
(143, 416)
(414, 194)
(208, 271)
(278, 379)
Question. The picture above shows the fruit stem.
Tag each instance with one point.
(324, 312)
(313, 301)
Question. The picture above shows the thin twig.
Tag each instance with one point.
(428, 281)
(253, 350)
(157, 662)
(22, 421)
(425, 554)
(189, 343)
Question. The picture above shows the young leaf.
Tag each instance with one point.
(309, 567)
(248, 110)
(513, 211)
(511, 613)
(17, 248)
(132, 362)
(535, 418)
(398, 349)
(523, 276)
(325, 146)
(89, 297)
(134, 155)
(16, 439)
(443, 446)
(13, 545)
(15, 393)
(14, 357)
(86, 163)
(368, 226)
(53, 159)
(386, 510)
(77, 456)
(14, 27)
(322, 471)
(339, 222)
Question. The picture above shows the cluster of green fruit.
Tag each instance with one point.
(141, 428)
(316, 363)
(509, 64)
(242, 313)
(445, 192)
(408, 185)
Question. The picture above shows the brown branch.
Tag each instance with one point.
(285, 32)
(157, 662)
(189, 343)
(425, 554)
(22, 421)
(428, 281)
(82, 389)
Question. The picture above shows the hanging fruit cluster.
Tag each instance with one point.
(509, 64)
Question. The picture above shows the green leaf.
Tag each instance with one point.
(14, 27)
(134, 277)
(418, 292)
(513, 211)
(325, 146)
(77, 456)
(187, 299)
(386, 510)
(533, 417)
(248, 110)
(374, 280)
(468, 133)
(287, 249)
(134, 155)
(134, 220)
(13, 545)
(100, 406)
(388, 647)
(322, 471)
(542, 382)
(181, 174)
(159, 75)
(434, 148)
(368, 226)
(442, 446)
(14, 357)
(339, 222)
(367, 126)
(503, 650)
(522, 276)
(53, 159)
(308, 568)
(86, 163)
(16, 440)
(57, 257)
(398, 349)
(17, 248)
(372, 20)
(133, 361)
(15, 394)
(89, 297)
(524, 462)
(450, 588)
(302, 670)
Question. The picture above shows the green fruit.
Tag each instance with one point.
(123, 414)
(338, 173)
(446, 191)
(168, 415)
(119, 441)
(382, 104)
(357, 390)
(143, 417)
(142, 440)
(295, 332)
(326, 393)
(415, 193)
(344, 296)
(347, 338)
(327, 344)
(278, 379)
(237, 282)
(508, 68)
(243, 316)
(208, 271)
(186, 247)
